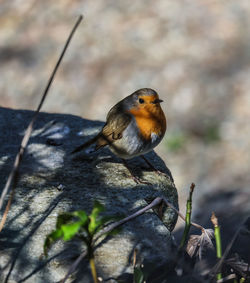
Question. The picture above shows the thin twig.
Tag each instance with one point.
(74, 266)
(181, 215)
(13, 177)
(112, 226)
(154, 203)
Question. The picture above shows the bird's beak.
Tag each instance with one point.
(157, 100)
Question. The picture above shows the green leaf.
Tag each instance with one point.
(95, 223)
(97, 208)
(138, 275)
(82, 215)
(70, 230)
(94, 226)
(63, 219)
(50, 239)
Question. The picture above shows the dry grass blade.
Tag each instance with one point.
(197, 244)
(193, 245)
(206, 241)
(13, 177)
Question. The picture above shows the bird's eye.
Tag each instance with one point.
(141, 101)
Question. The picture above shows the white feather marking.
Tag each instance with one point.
(154, 137)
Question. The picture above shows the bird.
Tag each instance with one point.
(134, 126)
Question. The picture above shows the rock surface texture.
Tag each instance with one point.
(52, 182)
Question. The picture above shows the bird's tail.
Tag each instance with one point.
(86, 144)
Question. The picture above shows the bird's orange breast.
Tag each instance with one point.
(150, 119)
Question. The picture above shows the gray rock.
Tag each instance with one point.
(52, 182)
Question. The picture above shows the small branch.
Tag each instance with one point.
(181, 215)
(112, 226)
(13, 177)
(176, 210)
(187, 218)
(217, 236)
(74, 266)
(154, 203)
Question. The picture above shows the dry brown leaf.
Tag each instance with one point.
(197, 244)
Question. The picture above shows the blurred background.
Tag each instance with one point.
(195, 53)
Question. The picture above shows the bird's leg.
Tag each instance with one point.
(152, 166)
(135, 178)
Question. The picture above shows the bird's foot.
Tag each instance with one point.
(160, 173)
(152, 167)
(139, 180)
(132, 175)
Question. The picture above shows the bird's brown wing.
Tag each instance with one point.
(117, 122)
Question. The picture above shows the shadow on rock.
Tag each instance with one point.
(51, 182)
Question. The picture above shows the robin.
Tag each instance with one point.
(134, 126)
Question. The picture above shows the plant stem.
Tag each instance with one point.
(114, 225)
(228, 248)
(93, 269)
(217, 236)
(187, 218)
